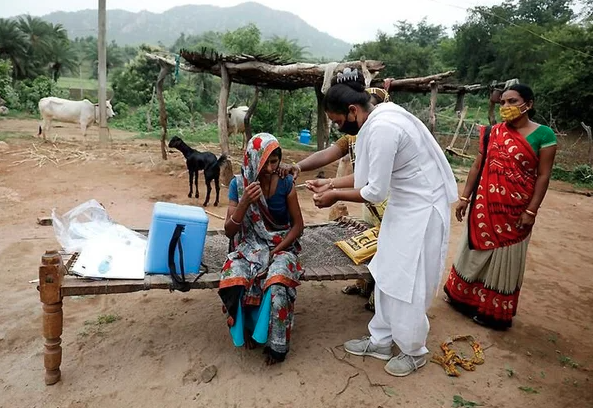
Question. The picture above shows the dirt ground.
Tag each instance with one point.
(152, 356)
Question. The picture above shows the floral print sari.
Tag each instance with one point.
(252, 281)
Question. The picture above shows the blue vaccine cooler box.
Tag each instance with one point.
(165, 218)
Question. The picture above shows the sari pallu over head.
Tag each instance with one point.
(249, 264)
(504, 190)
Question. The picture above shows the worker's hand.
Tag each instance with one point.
(526, 221)
(252, 193)
(325, 199)
(286, 169)
(318, 185)
(461, 209)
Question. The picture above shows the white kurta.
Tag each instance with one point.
(396, 155)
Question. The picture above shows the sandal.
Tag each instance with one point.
(351, 290)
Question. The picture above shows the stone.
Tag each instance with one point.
(209, 373)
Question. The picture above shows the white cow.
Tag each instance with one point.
(83, 112)
(236, 120)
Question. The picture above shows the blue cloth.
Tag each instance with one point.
(276, 203)
(255, 319)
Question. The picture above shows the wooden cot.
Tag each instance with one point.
(56, 281)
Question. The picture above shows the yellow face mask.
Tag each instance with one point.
(510, 113)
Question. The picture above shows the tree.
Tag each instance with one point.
(62, 57)
(13, 46)
(244, 40)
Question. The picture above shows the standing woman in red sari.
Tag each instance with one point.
(504, 190)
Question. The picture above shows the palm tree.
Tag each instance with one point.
(62, 58)
(39, 34)
(14, 46)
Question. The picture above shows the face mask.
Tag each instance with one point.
(350, 128)
(510, 113)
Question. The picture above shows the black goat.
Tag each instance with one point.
(197, 161)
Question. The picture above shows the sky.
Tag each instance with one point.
(341, 19)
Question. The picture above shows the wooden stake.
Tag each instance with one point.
(460, 102)
(590, 137)
(51, 274)
(162, 108)
(461, 118)
(220, 217)
(223, 131)
(149, 110)
(433, 104)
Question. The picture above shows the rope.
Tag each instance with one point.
(452, 359)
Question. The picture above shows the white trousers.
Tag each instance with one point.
(404, 323)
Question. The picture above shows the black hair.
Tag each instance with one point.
(345, 93)
(526, 93)
(277, 152)
(376, 99)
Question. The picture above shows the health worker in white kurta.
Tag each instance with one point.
(396, 157)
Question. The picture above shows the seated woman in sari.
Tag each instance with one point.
(260, 276)
(505, 187)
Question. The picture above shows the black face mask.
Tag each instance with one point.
(350, 128)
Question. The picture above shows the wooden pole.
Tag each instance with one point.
(223, 129)
(102, 51)
(280, 113)
(433, 105)
(460, 101)
(149, 110)
(322, 122)
(247, 120)
(162, 108)
(590, 137)
(495, 95)
(51, 273)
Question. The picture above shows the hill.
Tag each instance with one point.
(128, 28)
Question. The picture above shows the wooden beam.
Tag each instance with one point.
(162, 108)
(322, 122)
(399, 83)
(433, 104)
(102, 68)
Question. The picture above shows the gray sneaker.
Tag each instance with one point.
(404, 364)
(364, 347)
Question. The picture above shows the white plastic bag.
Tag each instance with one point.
(107, 249)
(85, 222)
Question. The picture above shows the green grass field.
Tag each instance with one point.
(77, 83)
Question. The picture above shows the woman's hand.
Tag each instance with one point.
(461, 210)
(318, 185)
(286, 169)
(526, 221)
(252, 193)
(325, 199)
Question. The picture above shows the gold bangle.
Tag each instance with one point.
(533, 214)
(462, 198)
